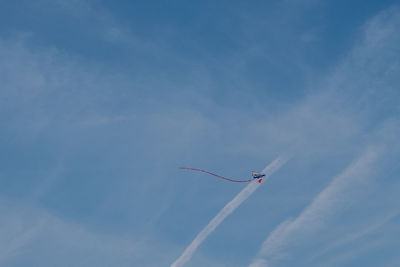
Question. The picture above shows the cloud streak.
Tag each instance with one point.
(315, 215)
(228, 209)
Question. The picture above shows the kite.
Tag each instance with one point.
(255, 175)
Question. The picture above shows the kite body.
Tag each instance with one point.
(257, 175)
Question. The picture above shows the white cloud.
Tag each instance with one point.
(335, 196)
(29, 234)
(359, 94)
(47, 91)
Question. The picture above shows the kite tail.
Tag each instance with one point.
(216, 175)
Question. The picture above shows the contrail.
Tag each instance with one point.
(228, 209)
(324, 205)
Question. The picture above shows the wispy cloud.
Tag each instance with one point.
(228, 209)
(30, 232)
(109, 100)
(324, 206)
(362, 231)
(362, 89)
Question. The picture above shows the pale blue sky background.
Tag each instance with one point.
(101, 101)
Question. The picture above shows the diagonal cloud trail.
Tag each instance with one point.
(228, 209)
(325, 205)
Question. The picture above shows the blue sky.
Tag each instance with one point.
(102, 101)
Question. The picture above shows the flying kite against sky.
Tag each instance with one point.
(100, 100)
(225, 211)
(255, 175)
